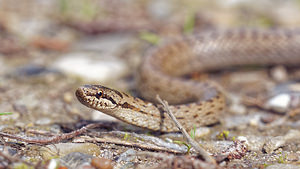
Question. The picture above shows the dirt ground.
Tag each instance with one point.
(50, 48)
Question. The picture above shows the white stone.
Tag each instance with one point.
(243, 139)
(202, 131)
(53, 164)
(279, 103)
(91, 68)
(237, 108)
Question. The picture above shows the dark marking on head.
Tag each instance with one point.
(108, 98)
(128, 106)
(125, 95)
(118, 93)
(96, 87)
(132, 107)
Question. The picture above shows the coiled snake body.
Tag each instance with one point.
(194, 104)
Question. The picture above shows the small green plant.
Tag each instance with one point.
(22, 166)
(150, 37)
(186, 144)
(193, 133)
(6, 113)
(282, 158)
(266, 165)
(126, 136)
(189, 24)
(223, 135)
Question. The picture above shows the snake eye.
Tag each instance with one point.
(99, 94)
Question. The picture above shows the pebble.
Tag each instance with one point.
(242, 121)
(67, 148)
(254, 143)
(234, 150)
(237, 108)
(75, 160)
(202, 131)
(273, 143)
(279, 103)
(255, 120)
(102, 163)
(83, 65)
(43, 121)
(267, 119)
(127, 156)
(53, 164)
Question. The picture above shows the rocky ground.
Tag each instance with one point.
(49, 48)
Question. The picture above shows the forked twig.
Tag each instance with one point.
(200, 150)
(51, 140)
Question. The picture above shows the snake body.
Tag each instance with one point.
(193, 103)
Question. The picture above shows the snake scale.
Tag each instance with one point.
(193, 103)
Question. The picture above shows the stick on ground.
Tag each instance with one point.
(51, 140)
(196, 146)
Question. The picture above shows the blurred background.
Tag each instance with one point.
(50, 47)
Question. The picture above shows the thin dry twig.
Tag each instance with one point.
(51, 140)
(142, 146)
(12, 159)
(59, 138)
(200, 150)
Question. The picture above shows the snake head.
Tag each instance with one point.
(98, 97)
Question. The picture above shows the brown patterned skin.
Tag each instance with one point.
(195, 104)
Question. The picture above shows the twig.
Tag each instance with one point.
(142, 146)
(200, 150)
(53, 139)
(12, 159)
